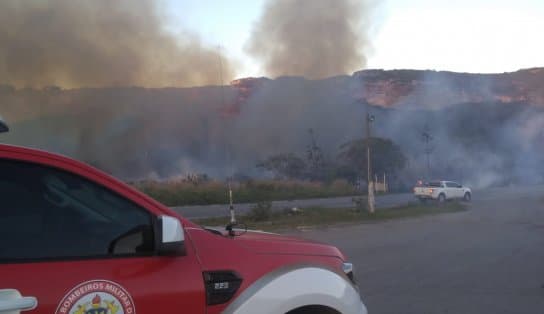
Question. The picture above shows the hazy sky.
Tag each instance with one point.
(456, 35)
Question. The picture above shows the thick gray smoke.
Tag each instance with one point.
(312, 38)
(98, 43)
(487, 130)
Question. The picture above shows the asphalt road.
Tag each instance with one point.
(205, 211)
(489, 259)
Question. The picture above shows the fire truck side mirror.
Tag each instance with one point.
(170, 237)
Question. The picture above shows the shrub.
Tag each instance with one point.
(293, 211)
(361, 204)
(261, 211)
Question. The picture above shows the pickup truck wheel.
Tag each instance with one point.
(442, 198)
(313, 309)
(467, 197)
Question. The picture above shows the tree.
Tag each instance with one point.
(386, 157)
(285, 166)
(317, 167)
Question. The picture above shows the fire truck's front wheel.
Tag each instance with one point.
(314, 309)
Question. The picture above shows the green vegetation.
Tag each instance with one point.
(262, 211)
(297, 177)
(386, 157)
(285, 166)
(348, 164)
(203, 192)
(310, 217)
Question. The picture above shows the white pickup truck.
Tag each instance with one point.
(442, 191)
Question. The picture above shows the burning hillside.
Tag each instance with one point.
(479, 121)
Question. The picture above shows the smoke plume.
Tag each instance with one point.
(312, 38)
(98, 43)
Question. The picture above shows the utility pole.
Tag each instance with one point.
(371, 201)
(427, 137)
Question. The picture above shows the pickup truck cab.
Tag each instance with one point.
(442, 191)
(75, 240)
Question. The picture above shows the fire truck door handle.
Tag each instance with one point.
(11, 301)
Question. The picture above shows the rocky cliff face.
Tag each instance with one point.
(428, 89)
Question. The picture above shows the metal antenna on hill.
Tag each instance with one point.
(427, 138)
(313, 151)
(232, 222)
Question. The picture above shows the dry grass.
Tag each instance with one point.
(315, 217)
(183, 192)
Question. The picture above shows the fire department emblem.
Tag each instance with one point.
(97, 297)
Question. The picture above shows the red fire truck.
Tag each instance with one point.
(75, 240)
